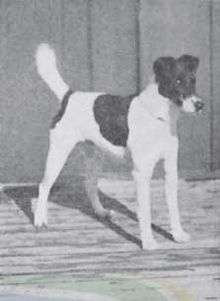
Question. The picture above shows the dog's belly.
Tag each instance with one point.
(111, 115)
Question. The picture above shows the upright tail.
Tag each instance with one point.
(47, 68)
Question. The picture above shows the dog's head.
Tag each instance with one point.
(176, 79)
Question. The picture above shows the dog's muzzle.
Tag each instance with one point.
(192, 104)
(198, 103)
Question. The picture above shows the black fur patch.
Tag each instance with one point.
(62, 109)
(176, 78)
(111, 114)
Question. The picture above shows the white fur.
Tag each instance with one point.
(188, 105)
(152, 136)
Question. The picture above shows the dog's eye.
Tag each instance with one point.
(178, 81)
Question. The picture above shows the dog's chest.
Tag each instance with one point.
(149, 131)
(111, 114)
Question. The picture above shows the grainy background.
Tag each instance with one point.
(107, 46)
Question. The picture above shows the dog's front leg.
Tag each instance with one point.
(171, 187)
(142, 180)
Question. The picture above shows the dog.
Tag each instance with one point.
(146, 124)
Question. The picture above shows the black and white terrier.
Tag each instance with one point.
(146, 124)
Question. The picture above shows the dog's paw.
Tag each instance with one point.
(40, 219)
(181, 236)
(40, 215)
(150, 244)
(104, 213)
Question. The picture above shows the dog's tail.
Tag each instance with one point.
(47, 68)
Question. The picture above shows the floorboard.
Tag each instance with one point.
(78, 244)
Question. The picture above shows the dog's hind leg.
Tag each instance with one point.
(60, 147)
(93, 167)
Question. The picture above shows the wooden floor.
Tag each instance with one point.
(76, 243)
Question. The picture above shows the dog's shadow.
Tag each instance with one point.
(77, 199)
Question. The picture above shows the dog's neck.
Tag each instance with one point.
(159, 107)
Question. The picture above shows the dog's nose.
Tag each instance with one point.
(199, 105)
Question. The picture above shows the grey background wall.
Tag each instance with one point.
(104, 45)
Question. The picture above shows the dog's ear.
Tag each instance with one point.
(164, 66)
(190, 62)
